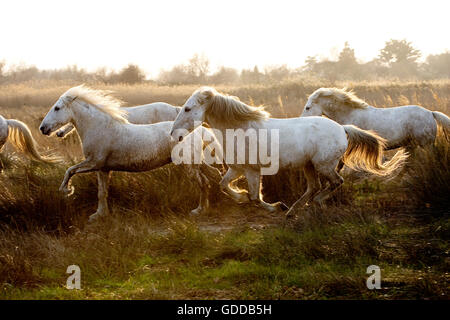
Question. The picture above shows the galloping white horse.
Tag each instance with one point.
(143, 114)
(315, 144)
(20, 136)
(109, 141)
(148, 114)
(405, 126)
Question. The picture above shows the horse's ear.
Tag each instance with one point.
(70, 99)
(208, 94)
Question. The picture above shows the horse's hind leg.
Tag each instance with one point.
(231, 175)
(254, 189)
(3, 138)
(312, 179)
(1, 162)
(340, 166)
(204, 185)
(103, 184)
(329, 172)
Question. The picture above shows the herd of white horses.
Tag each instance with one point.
(336, 128)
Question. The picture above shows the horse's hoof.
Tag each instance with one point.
(242, 199)
(68, 191)
(282, 206)
(196, 212)
(95, 217)
(290, 213)
(92, 218)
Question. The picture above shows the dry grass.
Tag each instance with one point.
(151, 248)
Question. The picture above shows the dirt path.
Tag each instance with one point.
(233, 216)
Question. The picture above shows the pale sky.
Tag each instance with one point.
(235, 33)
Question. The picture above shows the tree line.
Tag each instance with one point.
(398, 59)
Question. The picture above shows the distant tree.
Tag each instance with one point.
(277, 73)
(347, 55)
(130, 74)
(401, 57)
(23, 73)
(225, 75)
(252, 76)
(310, 65)
(199, 67)
(438, 65)
(396, 51)
(195, 71)
(177, 75)
(101, 75)
(328, 70)
(348, 66)
(374, 70)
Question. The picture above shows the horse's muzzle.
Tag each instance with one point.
(45, 130)
(174, 137)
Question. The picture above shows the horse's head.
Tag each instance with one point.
(192, 114)
(59, 114)
(331, 102)
(316, 104)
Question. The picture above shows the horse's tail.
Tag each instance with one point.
(20, 136)
(443, 122)
(365, 152)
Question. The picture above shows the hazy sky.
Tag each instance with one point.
(242, 33)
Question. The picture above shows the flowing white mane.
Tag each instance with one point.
(228, 109)
(100, 99)
(344, 97)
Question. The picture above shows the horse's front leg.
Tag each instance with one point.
(84, 166)
(65, 130)
(313, 182)
(254, 189)
(203, 183)
(231, 175)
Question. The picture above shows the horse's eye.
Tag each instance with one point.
(307, 108)
(187, 109)
(57, 108)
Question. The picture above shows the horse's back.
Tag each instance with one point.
(162, 127)
(151, 113)
(399, 124)
(307, 138)
(318, 126)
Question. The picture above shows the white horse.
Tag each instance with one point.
(109, 141)
(314, 144)
(405, 126)
(20, 136)
(143, 114)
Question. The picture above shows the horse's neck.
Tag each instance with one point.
(87, 119)
(347, 115)
(224, 127)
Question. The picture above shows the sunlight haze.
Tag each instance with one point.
(240, 34)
